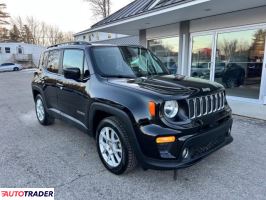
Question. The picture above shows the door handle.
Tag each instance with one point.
(60, 85)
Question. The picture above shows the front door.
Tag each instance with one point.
(73, 98)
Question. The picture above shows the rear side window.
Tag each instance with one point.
(73, 58)
(7, 64)
(43, 60)
(53, 61)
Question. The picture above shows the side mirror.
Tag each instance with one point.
(72, 73)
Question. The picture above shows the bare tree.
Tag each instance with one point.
(229, 48)
(37, 32)
(34, 28)
(101, 8)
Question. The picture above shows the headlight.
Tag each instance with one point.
(170, 109)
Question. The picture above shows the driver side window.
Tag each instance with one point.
(75, 58)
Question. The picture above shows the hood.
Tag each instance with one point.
(170, 85)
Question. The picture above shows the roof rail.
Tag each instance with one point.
(70, 43)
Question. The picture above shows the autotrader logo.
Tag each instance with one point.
(26, 193)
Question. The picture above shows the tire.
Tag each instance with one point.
(42, 115)
(125, 160)
(15, 69)
(231, 83)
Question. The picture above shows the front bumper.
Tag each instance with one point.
(200, 145)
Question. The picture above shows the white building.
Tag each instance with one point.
(103, 37)
(26, 54)
(218, 40)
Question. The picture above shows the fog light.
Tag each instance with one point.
(185, 153)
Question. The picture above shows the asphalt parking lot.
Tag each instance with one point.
(65, 158)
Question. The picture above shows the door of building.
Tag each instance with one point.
(233, 57)
(201, 57)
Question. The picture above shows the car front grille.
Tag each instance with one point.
(204, 105)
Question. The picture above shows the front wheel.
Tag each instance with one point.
(42, 115)
(114, 147)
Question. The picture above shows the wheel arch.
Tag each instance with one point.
(35, 91)
(124, 115)
(99, 111)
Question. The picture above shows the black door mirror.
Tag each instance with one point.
(72, 73)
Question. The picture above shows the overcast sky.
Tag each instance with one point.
(68, 15)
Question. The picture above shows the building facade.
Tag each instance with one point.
(222, 41)
(26, 54)
(105, 38)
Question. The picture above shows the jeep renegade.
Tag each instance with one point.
(129, 102)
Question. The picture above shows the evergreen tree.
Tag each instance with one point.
(3, 15)
(14, 34)
(3, 21)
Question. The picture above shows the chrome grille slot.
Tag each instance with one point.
(201, 106)
(198, 108)
(205, 105)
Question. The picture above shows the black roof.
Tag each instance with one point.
(138, 7)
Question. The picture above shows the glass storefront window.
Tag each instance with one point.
(201, 56)
(239, 62)
(167, 50)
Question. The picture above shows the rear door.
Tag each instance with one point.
(51, 63)
(73, 97)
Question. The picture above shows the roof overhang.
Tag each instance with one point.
(188, 11)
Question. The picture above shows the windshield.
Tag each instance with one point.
(127, 61)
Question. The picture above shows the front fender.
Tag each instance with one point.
(123, 115)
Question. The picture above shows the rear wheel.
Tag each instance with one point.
(114, 147)
(231, 83)
(42, 115)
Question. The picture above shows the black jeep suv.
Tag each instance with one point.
(127, 100)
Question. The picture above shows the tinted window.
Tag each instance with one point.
(73, 58)
(43, 59)
(7, 49)
(7, 64)
(53, 61)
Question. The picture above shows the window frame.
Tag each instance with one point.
(6, 50)
(59, 61)
(217, 31)
(83, 65)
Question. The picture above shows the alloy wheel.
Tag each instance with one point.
(110, 147)
(40, 110)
